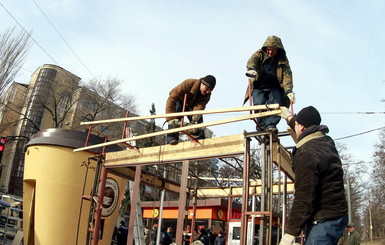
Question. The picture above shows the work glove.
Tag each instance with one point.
(287, 239)
(251, 73)
(196, 131)
(291, 97)
(174, 123)
(285, 112)
(195, 118)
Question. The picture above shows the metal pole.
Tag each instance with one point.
(98, 215)
(349, 200)
(194, 215)
(270, 188)
(182, 202)
(229, 214)
(253, 204)
(284, 207)
(370, 222)
(134, 201)
(263, 186)
(94, 193)
(245, 191)
(163, 193)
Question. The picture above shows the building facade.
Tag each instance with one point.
(52, 99)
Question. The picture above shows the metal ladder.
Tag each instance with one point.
(138, 226)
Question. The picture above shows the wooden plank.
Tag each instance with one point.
(292, 134)
(187, 113)
(209, 192)
(146, 179)
(201, 125)
(225, 146)
(18, 238)
(237, 191)
(281, 155)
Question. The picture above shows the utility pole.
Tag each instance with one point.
(370, 221)
(163, 193)
(349, 200)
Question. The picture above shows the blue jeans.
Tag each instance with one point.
(267, 96)
(325, 232)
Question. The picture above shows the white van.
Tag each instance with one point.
(234, 236)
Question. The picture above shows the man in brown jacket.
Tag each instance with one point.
(198, 92)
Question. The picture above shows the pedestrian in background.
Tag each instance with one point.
(203, 235)
(122, 233)
(220, 239)
(167, 237)
(354, 237)
(212, 236)
(187, 235)
(153, 234)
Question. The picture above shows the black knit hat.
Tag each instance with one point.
(308, 116)
(209, 81)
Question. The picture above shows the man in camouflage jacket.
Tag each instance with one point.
(270, 79)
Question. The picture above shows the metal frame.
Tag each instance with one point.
(129, 159)
(129, 164)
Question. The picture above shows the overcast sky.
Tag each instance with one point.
(335, 48)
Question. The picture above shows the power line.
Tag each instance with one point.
(358, 112)
(57, 31)
(18, 66)
(28, 34)
(340, 113)
(353, 135)
(34, 41)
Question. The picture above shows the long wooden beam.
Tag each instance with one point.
(205, 192)
(147, 179)
(225, 146)
(187, 113)
(216, 192)
(187, 128)
(282, 156)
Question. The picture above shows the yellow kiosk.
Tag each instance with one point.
(55, 181)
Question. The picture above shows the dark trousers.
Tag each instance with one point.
(267, 96)
(175, 136)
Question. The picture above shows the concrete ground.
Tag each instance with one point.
(374, 242)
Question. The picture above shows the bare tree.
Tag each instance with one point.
(59, 101)
(14, 48)
(108, 92)
(376, 196)
(55, 105)
(105, 100)
(354, 171)
(379, 165)
(150, 128)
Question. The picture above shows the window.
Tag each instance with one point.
(64, 105)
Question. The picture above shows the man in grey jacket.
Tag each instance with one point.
(319, 208)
